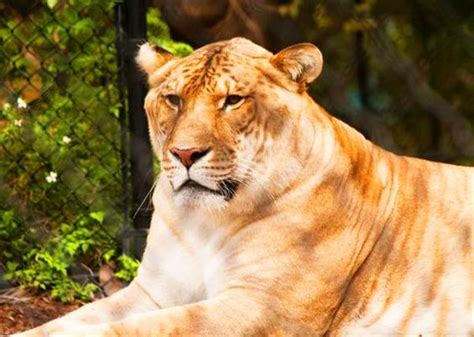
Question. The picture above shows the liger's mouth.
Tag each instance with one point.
(227, 188)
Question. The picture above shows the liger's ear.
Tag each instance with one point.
(151, 58)
(302, 62)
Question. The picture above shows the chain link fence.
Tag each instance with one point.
(64, 138)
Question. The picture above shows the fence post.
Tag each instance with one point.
(141, 164)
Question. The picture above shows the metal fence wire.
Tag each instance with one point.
(65, 135)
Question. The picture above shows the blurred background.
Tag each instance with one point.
(75, 163)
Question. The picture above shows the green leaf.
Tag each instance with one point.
(98, 216)
(12, 266)
(51, 3)
(108, 255)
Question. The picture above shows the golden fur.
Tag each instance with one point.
(296, 225)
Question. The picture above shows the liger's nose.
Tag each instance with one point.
(188, 156)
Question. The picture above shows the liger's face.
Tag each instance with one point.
(214, 118)
(210, 124)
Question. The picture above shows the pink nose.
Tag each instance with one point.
(188, 156)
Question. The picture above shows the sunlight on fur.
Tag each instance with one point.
(273, 218)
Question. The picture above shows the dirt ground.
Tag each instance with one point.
(21, 311)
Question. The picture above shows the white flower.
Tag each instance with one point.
(6, 106)
(21, 103)
(52, 177)
(18, 122)
(66, 140)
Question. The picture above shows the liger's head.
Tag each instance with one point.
(219, 117)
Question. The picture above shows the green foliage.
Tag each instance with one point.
(128, 268)
(46, 266)
(60, 185)
(127, 265)
(159, 34)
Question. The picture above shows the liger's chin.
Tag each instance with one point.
(199, 200)
(194, 195)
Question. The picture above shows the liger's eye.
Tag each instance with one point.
(232, 100)
(173, 100)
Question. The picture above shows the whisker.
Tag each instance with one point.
(145, 198)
